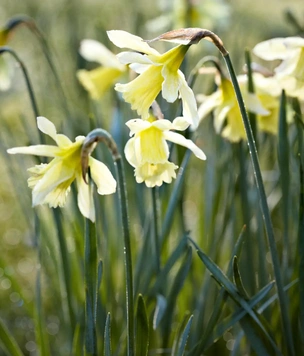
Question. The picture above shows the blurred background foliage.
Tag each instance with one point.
(211, 207)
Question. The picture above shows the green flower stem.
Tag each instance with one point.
(265, 210)
(28, 84)
(95, 136)
(65, 266)
(155, 203)
(18, 20)
(91, 285)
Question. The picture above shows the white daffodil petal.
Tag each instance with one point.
(277, 48)
(103, 178)
(63, 141)
(170, 85)
(130, 152)
(163, 124)
(37, 150)
(189, 102)
(209, 104)
(137, 125)
(95, 51)
(133, 57)
(139, 68)
(85, 199)
(180, 124)
(254, 105)
(220, 115)
(123, 39)
(181, 140)
(47, 127)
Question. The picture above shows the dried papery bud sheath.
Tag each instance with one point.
(89, 144)
(190, 36)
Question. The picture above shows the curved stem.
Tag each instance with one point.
(28, 85)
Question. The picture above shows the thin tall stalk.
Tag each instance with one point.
(99, 135)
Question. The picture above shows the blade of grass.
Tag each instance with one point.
(182, 338)
(107, 337)
(142, 328)
(178, 283)
(8, 342)
(283, 161)
(233, 293)
(220, 301)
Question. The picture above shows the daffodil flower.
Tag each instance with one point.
(148, 152)
(157, 73)
(290, 73)
(97, 81)
(227, 117)
(51, 182)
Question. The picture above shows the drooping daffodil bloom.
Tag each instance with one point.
(227, 117)
(97, 81)
(157, 73)
(148, 152)
(51, 182)
(290, 73)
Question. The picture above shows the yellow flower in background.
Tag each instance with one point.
(98, 81)
(290, 73)
(227, 117)
(268, 92)
(51, 182)
(148, 152)
(157, 73)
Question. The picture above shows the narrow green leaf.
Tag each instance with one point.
(301, 246)
(232, 291)
(107, 337)
(161, 279)
(8, 342)
(178, 283)
(161, 305)
(99, 274)
(177, 188)
(283, 161)
(90, 331)
(142, 328)
(231, 320)
(184, 338)
(220, 301)
(238, 279)
(76, 347)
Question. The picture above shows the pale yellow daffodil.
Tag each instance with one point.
(51, 182)
(148, 152)
(97, 81)
(157, 73)
(227, 117)
(290, 73)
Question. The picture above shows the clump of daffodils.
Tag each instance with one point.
(227, 117)
(290, 73)
(157, 73)
(97, 81)
(148, 152)
(50, 183)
